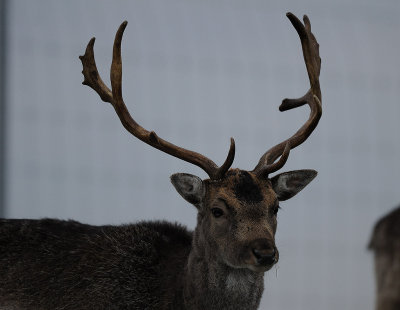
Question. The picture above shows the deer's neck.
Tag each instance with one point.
(210, 284)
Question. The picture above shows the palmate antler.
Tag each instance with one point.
(310, 48)
(114, 96)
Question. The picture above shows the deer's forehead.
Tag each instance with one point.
(242, 188)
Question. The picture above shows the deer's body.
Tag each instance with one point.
(51, 264)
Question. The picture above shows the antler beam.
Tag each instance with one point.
(114, 96)
(310, 47)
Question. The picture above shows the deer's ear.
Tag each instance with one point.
(288, 184)
(189, 187)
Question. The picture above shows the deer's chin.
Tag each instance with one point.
(251, 266)
(255, 268)
(261, 269)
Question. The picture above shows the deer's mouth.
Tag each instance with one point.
(263, 267)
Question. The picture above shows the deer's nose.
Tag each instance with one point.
(264, 252)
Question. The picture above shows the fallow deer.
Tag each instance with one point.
(385, 243)
(53, 264)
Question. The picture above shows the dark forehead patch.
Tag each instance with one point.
(246, 189)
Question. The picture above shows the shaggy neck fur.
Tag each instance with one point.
(211, 284)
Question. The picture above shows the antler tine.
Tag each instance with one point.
(312, 60)
(114, 96)
(92, 77)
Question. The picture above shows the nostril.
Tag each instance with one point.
(257, 253)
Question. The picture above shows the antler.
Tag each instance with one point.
(114, 96)
(310, 48)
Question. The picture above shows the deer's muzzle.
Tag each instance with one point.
(263, 253)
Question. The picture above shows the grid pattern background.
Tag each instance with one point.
(199, 72)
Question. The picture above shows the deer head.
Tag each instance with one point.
(237, 209)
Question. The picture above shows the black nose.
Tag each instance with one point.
(264, 257)
(265, 254)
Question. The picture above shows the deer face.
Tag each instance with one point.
(238, 214)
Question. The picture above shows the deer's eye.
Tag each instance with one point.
(217, 212)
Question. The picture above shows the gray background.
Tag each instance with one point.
(199, 72)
